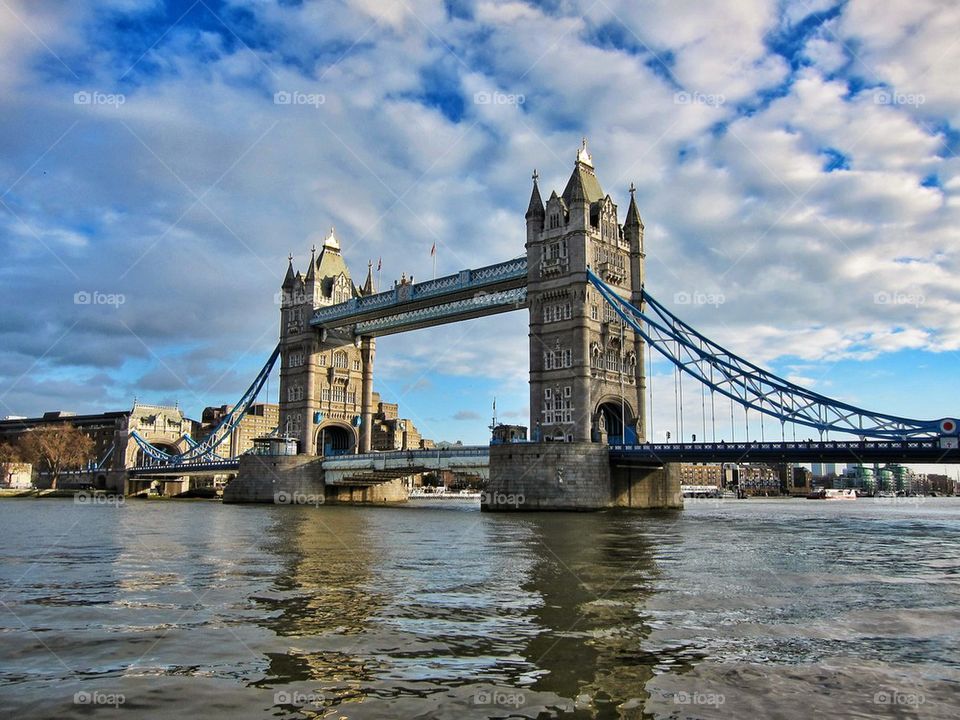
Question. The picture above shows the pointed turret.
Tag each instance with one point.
(633, 214)
(535, 208)
(311, 271)
(368, 288)
(291, 276)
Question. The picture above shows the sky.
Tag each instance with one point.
(795, 164)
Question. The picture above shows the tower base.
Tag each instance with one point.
(574, 476)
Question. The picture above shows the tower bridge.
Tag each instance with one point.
(592, 323)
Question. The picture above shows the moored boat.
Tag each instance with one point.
(832, 494)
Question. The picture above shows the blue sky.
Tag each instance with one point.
(795, 159)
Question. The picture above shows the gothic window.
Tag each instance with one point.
(356, 364)
(352, 397)
(549, 360)
(325, 395)
(594, 312)
(323, 359)
(295, 393)
(340, 360)
(567, 358)
(339, 394)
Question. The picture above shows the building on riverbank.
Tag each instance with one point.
(114, 450)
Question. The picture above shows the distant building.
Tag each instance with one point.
(261, 420)
(701, 474)
(759, 480)
(509, 434)
(16, 475)
(114, 450)
(801, 481)
(858, 477)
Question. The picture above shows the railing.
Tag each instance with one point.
(465, 451)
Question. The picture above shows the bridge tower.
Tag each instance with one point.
(585, 366)
(326, 391)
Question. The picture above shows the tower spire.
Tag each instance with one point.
(633, 214)
(311, 271)
(535, 208)
(368, 283)
(291, 276)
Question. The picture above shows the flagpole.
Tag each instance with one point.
(434, 253)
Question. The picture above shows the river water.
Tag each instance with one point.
(733, 609)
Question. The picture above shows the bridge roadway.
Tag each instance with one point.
(856, 451)
(376, 467)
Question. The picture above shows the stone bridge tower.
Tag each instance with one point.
(585, 365)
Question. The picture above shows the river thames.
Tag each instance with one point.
(732, 609)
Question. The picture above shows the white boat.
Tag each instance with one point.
(832, 494)
(421, 493)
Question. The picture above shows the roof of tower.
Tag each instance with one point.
(290, 277)
(535, 208)
(633, 214)
(331, 241)
(330, 264)
(583, 184)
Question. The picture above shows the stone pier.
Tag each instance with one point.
(574, 476)
(299, 480)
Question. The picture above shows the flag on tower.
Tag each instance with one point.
(433, 250)
(379, 263)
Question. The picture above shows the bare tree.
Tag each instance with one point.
(9, 453)
(56, 448)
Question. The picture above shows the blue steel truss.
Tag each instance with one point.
(481, 302)
(203, 452)
(752, 386)
(463, 281)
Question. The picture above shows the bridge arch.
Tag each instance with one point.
(607, 420)
(171, 448)
(335, 438)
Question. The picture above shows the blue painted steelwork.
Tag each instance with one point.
(752, 386)
(506, 300)
(860, 451)
(465, 280)
(203, 452)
